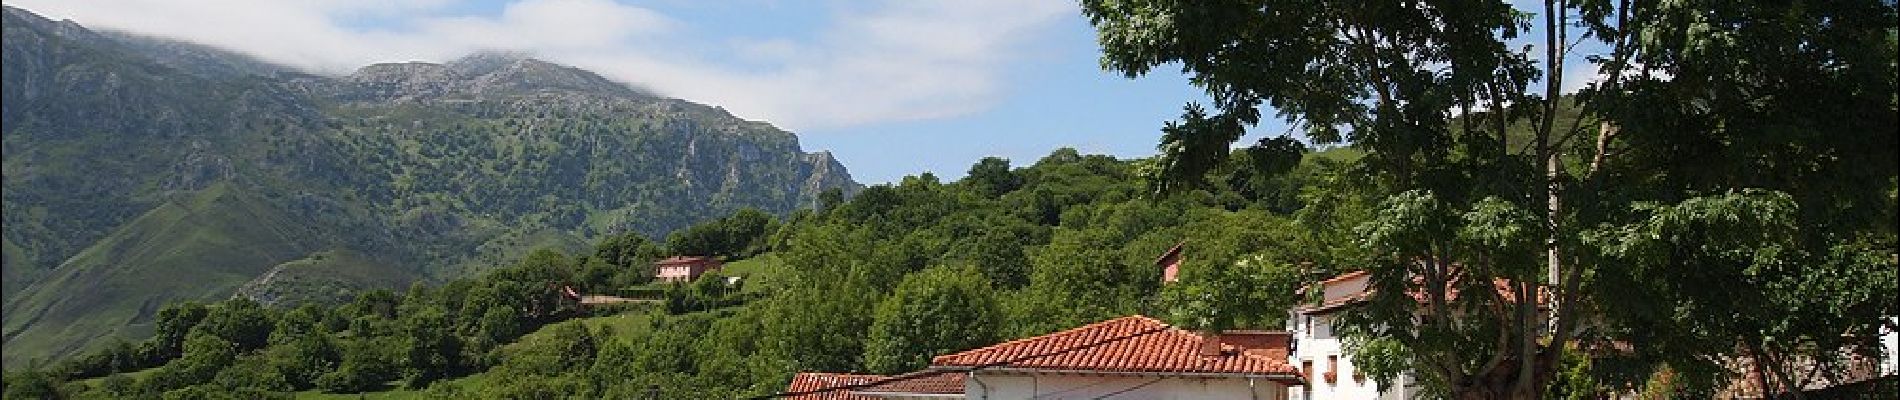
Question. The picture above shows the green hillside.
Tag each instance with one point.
(325, 277)
(438, 171)
(200, 246)
(16, 268)
(999, 255)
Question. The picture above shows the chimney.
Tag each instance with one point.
(1210, 343)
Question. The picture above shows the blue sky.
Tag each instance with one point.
(892, 87)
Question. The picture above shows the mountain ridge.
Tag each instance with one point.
(440, 169)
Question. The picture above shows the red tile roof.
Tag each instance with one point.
(814, 385)
(686, 260)
(1502, 286)
(921, 382)
(1133, 344)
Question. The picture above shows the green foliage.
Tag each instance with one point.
(1215, 297)
(1574, 379)
(992, 177)
(930, 268)
(434, 350)
(619, 261)
(743, 234)
(932, 312)
(240, 322)
(1733, 264)
(164, 180)
(31, 384)
(709, 292)
(1726, 144)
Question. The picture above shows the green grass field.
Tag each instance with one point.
(761, 273)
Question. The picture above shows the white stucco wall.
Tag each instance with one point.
(1890, 340)
(1010, 386)
(1315, 341)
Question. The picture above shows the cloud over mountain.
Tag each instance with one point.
(858, 65)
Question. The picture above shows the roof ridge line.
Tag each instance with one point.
(933, 360)
(1144, 332)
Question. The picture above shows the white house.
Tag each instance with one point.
(1322, 356)
(1133, 357)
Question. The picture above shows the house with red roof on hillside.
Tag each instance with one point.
(684, 268)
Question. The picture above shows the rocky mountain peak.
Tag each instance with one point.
(481, 74)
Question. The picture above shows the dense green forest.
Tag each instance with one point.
(930, 267)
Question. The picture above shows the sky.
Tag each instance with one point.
(891, 87)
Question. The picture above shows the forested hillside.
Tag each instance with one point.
(930, 267)
(132, 163)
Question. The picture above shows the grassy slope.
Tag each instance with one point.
(15, 268)
(760, 273)
(511, 246)
(198, 247)
(330, 276)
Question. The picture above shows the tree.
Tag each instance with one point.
(830, 199)
(240, 321)
(1698, 100)
(433, 349)
(622, 260)
(204, 356)
(301, 361)
(1230, 296)
(998, 254)
(168, 337)
(32, 384)
(367, 364)
(937, 311)
(992, 177)
(740, 235)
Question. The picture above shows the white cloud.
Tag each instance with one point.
(901, 60)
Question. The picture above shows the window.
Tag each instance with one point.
(1332, 369)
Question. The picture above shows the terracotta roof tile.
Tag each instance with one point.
(1133, 344)
(685, 260)
(921, 382)
(813, 385)
(1502, 286)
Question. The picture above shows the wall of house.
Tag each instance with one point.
(999, 386)
(1316, 342)
(1890, 340)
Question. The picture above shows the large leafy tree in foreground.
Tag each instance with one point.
(1730, 175)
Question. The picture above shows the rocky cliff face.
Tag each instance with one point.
(438, 168)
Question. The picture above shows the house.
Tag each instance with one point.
(684, 268)
(920, 385)
(1133, 357)
(1322, 356)
(1170, 263)
(827, 386)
